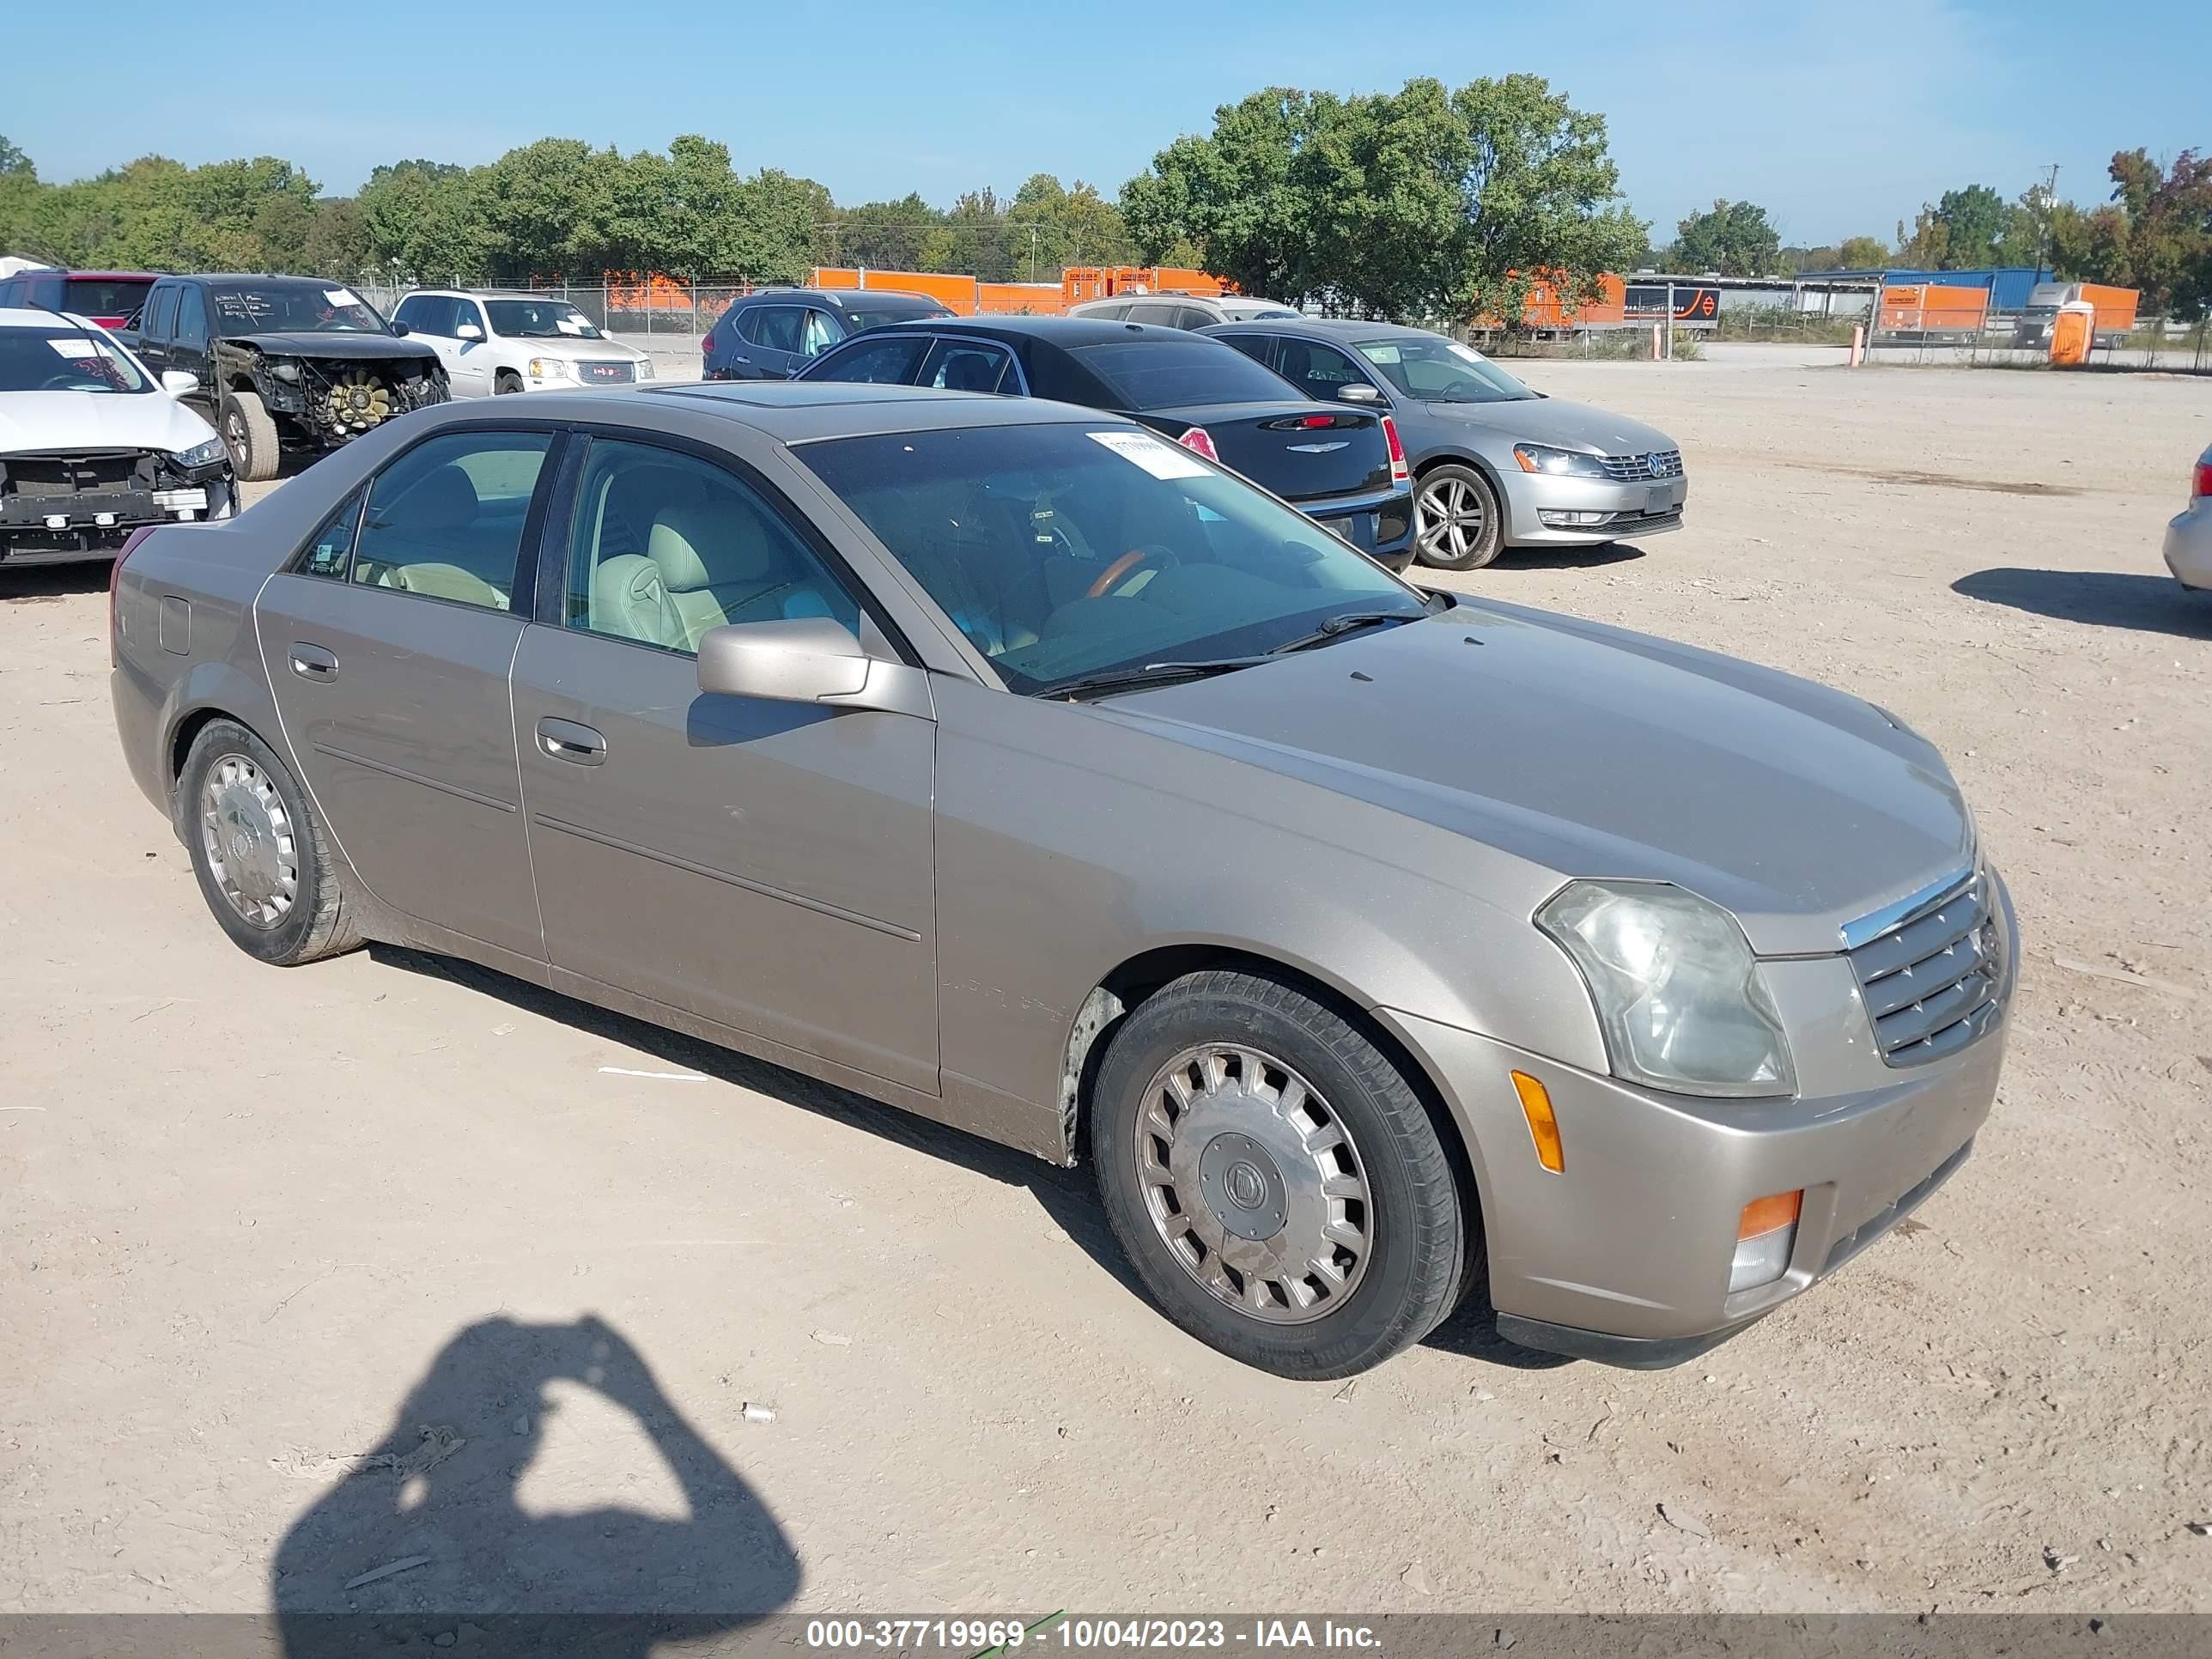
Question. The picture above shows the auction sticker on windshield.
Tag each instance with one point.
(340, 296)
(1160, 458)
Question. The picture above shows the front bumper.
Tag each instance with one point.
(2189, 546)
(1379, 526)
(1625, 1254)
(1542, 510)
(93, 524)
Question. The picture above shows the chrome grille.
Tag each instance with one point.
(606, 373)
(1930, 975)
(1637, 469)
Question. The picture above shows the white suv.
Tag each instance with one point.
(497, 343)
(1176, 310)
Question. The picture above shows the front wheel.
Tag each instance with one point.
(1456, 522)
(1277, 1184)
(251, 437)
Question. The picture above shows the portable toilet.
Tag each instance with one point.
(2073, 333)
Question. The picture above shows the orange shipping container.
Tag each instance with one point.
(1932, 309)
(2116, 306)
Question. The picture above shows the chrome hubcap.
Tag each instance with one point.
(248, 838)
(1451, 518)
(1254, 1182)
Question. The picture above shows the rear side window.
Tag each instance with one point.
(331, 550)
(161, 315)
(775, 327)
(445, 519)
(1194, 317)
(1167, 374)
(1158, 313)
(1254, 346)
(968, 366)
(888, 362)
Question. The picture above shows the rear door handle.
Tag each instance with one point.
(312, 662)
(566, 740)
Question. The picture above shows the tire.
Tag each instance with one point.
(251, 437)
(1457, 523)
(1232, 1172)
(232, 785)
(505, 382)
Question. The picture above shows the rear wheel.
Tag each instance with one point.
(507, 380)
(1278, 1185)
(264, 863)
(250, 435)
(1456, 522)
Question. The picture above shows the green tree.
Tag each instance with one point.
(13, 164)
(1863, 253)
(422, 223)
(1977, 223)
(1732, 239)
(1417, 202)
(337, 241)
(1051, 227)
(2169, 228)
(883, 235)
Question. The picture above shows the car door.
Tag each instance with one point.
(774, 334)
(430, 318)
(388, 648)
(154, 323)
(766, 866)
(188, 343)
(469, 368)
(1322, 371)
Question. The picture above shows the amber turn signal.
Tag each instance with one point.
(1543, 1127)
(1770, 1214)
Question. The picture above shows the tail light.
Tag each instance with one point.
(706, 345)
(115, 593)
(1400, 473)
(2204, 480)
(1199, 440)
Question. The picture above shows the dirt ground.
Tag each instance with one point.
(272, 1242)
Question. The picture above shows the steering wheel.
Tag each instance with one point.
(1111, 577)
(70, 382)
(1452, 388)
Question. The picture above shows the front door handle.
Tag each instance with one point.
(566, 740)
(312, 662)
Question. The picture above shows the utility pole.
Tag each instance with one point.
(2050, 207)
(1033, 253)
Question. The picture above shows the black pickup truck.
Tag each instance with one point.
(284, 362)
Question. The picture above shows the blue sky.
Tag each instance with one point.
(1837, 123)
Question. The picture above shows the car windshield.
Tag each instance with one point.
(291, 309)
(1170, 372)
(859, 317)
(60, 359)
(539, 319)
(1068, 552)
(1439, 371)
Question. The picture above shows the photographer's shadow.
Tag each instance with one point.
(440, 1494)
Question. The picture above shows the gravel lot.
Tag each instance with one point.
(256, 1224)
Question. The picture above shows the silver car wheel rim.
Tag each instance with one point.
(1253, 1184)
(249, 841)
(1452, 518)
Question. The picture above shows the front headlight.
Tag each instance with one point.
(1557, 463)
(200, 455)
(1677, 988)
(551, 369)
(645, 368)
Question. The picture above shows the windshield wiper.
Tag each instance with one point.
(1153, 673)
(1343, 624)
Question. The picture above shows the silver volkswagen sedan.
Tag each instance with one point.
(1001, 761)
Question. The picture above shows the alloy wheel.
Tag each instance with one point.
(249, 841)
(1450, 519)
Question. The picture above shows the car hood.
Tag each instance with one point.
(1550, 420)
(41, 422)
(1593, 752)
(345, 348)
(570, 348)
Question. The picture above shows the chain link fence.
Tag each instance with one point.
(2001, 339)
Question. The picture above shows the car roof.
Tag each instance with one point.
(805, 411)
(483, 294)
(97, 275)
(262, 276)
(837, 297)
(39, 316)
(1326, 328)
(1067, 332)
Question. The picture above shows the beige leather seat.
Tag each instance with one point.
(719, 562)
(629, 601)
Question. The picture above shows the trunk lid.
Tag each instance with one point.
(1302, 451)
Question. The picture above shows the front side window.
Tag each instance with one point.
(63, 359)
(192, 316)
(289, 305)
(886, 361)
(446, 520)
(968, 366)
(536, 319)
(665, 546)
(464, 313)
(427, 314)
(1441, 371)
(1067, 552)
(1319, 371)
(821, 333)
(161, 315)
(1171, 373)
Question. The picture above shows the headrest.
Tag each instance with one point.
(703, 546)
(445, 498)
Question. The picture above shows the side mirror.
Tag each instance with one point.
(468, 331)
(806, 659)
(400, 329)
(180, 384)
(1358, 391)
